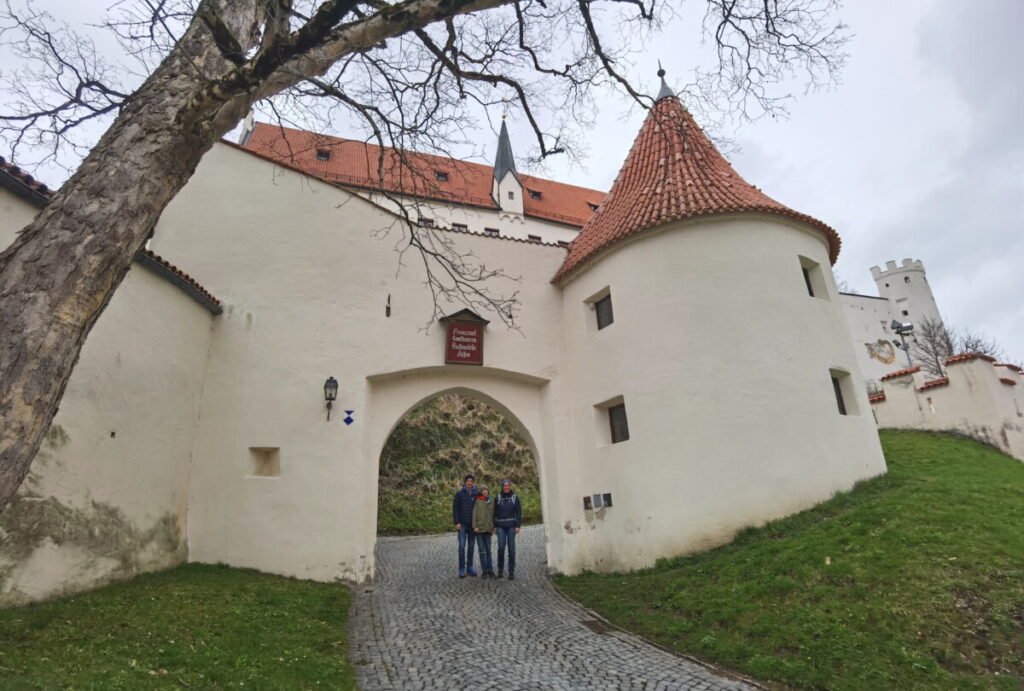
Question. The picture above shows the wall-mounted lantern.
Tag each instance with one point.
(330, 393)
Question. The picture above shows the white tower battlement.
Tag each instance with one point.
(905, 286)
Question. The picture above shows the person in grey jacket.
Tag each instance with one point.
(508, 517)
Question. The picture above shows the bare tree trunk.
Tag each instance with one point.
(61, 271)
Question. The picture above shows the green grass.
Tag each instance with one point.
(923, 589)
(433, 447)
(195, 626)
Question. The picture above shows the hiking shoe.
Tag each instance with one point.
(501, 574)
(511, 576)
(462, 573)
(471, 573)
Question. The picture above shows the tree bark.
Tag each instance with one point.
(60, 273)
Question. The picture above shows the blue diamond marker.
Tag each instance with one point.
(348, 417)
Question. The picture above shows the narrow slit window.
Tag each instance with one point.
(839, 395)
(618, 423)
(460, 226)
(603, 307)
(534, 238)
(493, 232)
(807, 280)
(814, 279)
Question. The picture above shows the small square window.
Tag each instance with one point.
(607, 499)
(603, 307)
(493, 232)
(323, 155)
(511, 195)
(441, 176)
(906, 279)
(617, 421)
(460, 226)
(426, 223)
(534, 194)
(588, 504)
(906, 313)
(534, 238)
(265, 460)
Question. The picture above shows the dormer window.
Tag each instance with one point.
(534, 194)
(592, 205)
(426, 222)
(440, 176)
(323, 155)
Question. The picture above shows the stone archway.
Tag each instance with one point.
(519, 398)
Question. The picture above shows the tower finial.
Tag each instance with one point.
(665, 92)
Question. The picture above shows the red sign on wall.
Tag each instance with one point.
(465, 344)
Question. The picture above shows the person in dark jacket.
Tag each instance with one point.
(508, 517)
(462, 517)
(483, 528)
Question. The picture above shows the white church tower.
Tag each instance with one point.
(506, 188)
(906, 288)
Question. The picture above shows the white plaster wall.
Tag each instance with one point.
(975, 403)
(868, 320)
(15, 214)
(512, 225)
(723, 362)
(305, 277)
(107, 494)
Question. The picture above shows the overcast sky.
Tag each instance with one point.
(919, 152)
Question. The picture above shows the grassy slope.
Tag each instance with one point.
(925, 586)
(430, 451)
(193, 626)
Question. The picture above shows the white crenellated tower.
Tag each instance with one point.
(906, 288)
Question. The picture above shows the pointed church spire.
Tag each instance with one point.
(504, 161)
(672, 173)
(665, 92)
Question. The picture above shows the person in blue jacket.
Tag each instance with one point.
(508, 516)
(462, 517)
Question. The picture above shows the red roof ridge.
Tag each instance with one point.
(933, 383)
(964, 357)
(353, 163)
(901, 373)
(673, 172)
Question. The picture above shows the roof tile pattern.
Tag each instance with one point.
(673, 172)
(368, 166)
(964, 357)
(24, 178)
(933, 383)
(900, 373)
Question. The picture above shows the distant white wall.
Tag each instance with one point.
(15, 214)
(868, 319)
(976, 398)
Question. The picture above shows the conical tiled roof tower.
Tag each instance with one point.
(673, 172)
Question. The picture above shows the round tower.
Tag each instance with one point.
(906, 288)
(714, 382)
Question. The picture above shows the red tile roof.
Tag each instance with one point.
(355, 163)
(933, 383)
(900, 373)
(964, 357)
(24, 178)
(673, 172)
(1006, 380)
(1015, 368)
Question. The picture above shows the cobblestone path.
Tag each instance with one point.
(420, 627)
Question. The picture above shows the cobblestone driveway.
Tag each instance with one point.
(420, 627)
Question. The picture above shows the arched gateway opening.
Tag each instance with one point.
(502, 400)
(433, 447)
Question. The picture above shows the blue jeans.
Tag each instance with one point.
(507, 536)
(466, 543)
(483, 545)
